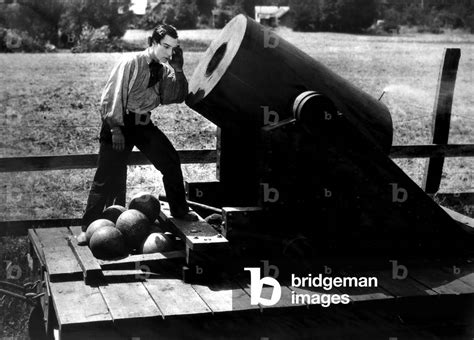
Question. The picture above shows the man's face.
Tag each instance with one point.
(163, 51)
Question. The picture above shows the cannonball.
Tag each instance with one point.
(107, 243)
(155, 243)
(134, 226)
(147, 204)
(97, 224)
(113, 212)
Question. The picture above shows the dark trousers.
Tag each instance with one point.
(109, 185)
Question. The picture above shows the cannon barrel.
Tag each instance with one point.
(249, 72)
(309, 150)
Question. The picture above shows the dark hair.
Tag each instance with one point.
(160, 31)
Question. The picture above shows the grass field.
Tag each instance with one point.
(49, 105)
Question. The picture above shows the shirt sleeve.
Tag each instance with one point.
(115, 94)
(173, 86)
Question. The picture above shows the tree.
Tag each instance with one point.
(186, 14)
(356, 15)
(183, 14)
(247, 7)
(40, 18)
(306, 14)
(97, 13)
(347, 15)
(329, 16)
(205, 7)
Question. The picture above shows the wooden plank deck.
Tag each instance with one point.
(133, 301)
(129, 300)
(173, 297)
(224, 296)
(78, 304)
(60, 261)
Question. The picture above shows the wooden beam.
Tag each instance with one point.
(20, 228)
(86, 161)
(91, 269)
(432, 150)
(442, 117)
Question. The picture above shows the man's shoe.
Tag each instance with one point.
(81, 239)
(190, 216)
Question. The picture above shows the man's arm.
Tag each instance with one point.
(174, 85)
(114, 100)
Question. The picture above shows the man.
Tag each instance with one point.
(138, 84)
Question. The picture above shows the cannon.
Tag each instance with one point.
(303, 154)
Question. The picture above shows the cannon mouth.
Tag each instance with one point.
(216, 59)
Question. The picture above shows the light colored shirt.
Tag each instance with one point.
(127, 88)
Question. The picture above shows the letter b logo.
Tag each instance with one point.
(256, 286)
(269, 117)
(270, 194)
(396, 268)
(396, 191)
(270, 40)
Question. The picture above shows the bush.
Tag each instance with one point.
(13, 40)
(205, 7)
(392, 17)
(92, 39)
(204, 21)
(221, 18)
(355, 15)
(413, 15)
(182, 14)
(186, 14)
(98, 40)
(431, 19)
(306, 15)
(80, 15)
(162, 13)
(448, 19)
(38, 18)
(340, 16)
(469, 20)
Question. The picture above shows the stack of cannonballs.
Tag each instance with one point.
(122, 231)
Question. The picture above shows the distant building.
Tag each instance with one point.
(139, 7)
(273, 16)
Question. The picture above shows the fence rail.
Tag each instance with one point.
(87, 161)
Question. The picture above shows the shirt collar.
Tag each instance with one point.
(148, 57)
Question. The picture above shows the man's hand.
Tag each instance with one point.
(177, 59)
(118, 139)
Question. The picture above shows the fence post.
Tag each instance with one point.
(441, 117)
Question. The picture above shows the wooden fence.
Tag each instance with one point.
(436, 153)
